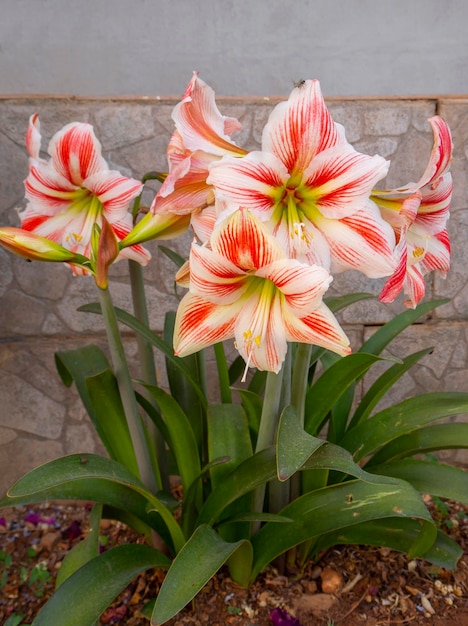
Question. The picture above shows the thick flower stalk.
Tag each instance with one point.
(202, 136)
(311, 188)
(71, 194)
(244, 286)
(418, 214)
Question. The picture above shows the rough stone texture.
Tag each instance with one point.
(40, 418)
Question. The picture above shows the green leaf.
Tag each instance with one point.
(176, 258)
(436, 479)
(386, 333)
(401, 419)
(448, 436)
(223, 373)
(89, 369)
(228, 436)
(324, 393)
(181, 438)
(383, 384)
(253, 472)
(130, 321)
(253, 405)
(334, 508)
(201, 557)
(92, 477)
(180, 387)
(293, 445)
(82, 598)
(342, 302)
(84, 551)
(395, 533)
(104, 395)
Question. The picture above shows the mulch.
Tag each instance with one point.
(349, 586)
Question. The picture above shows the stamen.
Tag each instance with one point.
(249, 348)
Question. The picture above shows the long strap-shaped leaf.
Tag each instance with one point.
(201, 557)
(89, 369)
(383, 384)
(401, 419)
(386, 333)
(130, 321)
(337, 507)
(92, 477)
(261, 468)
(395, 533)
(87, 593)
(181, 438)
(324, 393)
(436, 479)
(449, 436)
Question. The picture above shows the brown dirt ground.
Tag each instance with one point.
(350, 586)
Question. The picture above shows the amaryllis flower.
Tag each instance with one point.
(245, 287)
(202, 136)
(73, 191)
(418, 213)
(311, 188)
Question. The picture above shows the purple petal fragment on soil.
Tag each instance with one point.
(3, 521)
(37, 518)
(73, 531)
(280, 617)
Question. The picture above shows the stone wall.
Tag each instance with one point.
(40, 419)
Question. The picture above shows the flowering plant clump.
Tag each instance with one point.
(286, 463)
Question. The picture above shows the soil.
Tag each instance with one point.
(349, 586)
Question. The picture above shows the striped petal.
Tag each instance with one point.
(250, 182)
(185, 188)
(33, 137)
(433, 212)
(319, 328)
(441, 154)
(201, 125)
(114, 191)
(301, 285)
(260, 333)
(299, 129)
(363, 242)
(200, 323)
(243, 240)
(76, 152)
(215, 277)
(339, 180)
(47, 190)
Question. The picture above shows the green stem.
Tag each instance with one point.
(121, 371)
(298, 393)
(148, 369)
(267, 430)
(270, 412)
(223, 374)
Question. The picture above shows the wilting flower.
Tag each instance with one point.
(202, 136)
(311, 188)
(72, 193)
(418, 213)
(244, 286)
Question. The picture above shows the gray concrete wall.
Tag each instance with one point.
(41, 419)
(241, 47)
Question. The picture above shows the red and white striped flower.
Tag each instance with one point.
(202, 135)
(311, 188)
(418, 213)
(71, 193)
(244, 286)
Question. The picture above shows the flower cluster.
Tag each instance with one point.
(271, 226)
